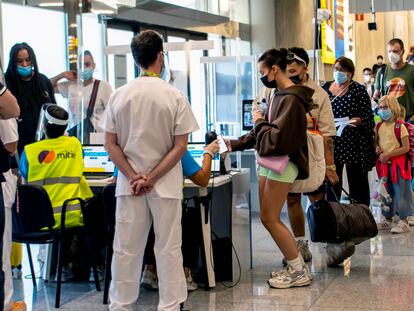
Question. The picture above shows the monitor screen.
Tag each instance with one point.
(197, 150)
(96, 160)
(247, 115)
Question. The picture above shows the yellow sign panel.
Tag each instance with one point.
(328, 33)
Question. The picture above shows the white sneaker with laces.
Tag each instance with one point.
(384, 225)
(191, 285)
(401, 227)
(17, 273)
(149, 280)
(291, 278)
(410, 220)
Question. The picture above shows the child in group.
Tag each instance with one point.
(394, 164)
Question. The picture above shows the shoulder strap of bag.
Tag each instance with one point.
(397, 129)
(92, 101)
(382, 77)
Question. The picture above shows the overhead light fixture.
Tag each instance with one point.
(96, 11)
(51, 4)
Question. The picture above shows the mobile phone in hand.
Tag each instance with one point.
(222, 144)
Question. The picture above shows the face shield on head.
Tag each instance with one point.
(44, 119)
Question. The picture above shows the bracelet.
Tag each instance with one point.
(209, 153)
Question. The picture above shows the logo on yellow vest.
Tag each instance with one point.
(47, 156)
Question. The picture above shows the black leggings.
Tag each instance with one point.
(357, 181)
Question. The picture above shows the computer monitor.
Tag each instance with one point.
(247, 114)
(197, 150)
(96, 160)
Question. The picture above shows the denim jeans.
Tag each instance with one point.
(402, 197)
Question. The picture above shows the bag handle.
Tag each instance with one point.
(351, 200)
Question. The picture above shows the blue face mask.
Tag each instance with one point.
(385, 114)
(24, 71)
(87, 74)
(340, 77)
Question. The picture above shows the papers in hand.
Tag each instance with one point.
(341, 123)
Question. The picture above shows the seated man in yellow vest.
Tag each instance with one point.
(56, 164)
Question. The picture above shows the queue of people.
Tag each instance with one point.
(149, 183)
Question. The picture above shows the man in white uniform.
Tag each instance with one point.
(146, 124)
(9, 138)
(70, 89)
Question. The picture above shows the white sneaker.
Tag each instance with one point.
(401, 227)
(17, 273)
(67, 274)
(149, 280)
(410, 220)
(384, 225)
(100, 275)
(191, 285)
(291, 278)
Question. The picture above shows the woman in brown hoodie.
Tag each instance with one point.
(280, 131)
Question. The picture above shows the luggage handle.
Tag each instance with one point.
(351, 200)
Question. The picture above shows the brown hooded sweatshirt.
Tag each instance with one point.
(286, 135)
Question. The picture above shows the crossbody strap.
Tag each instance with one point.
(92, 101)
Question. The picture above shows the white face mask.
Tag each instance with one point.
(367, 78)
(394, 57)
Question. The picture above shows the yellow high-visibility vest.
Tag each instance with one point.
(57, 165)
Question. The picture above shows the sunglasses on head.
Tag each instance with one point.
(292, 56)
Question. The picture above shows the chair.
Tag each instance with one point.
(33, 221)
(109, 200)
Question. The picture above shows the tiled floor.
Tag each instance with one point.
(381, 278)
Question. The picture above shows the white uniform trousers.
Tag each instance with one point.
(9, 190)
(134, 215)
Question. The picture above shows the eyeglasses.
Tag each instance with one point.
(292, 56)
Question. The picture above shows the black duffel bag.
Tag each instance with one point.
(335, 222)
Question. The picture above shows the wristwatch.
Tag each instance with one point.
(331, 167)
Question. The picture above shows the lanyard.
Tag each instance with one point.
(148, 74)
(342, 91)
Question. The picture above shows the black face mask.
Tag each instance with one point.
(268, 84)
(296, 79)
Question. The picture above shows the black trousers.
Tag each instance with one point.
(357, 181)
(2, 219)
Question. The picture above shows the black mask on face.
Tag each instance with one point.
(268, 84)
(296, 79)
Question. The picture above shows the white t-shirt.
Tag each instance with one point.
(146, 114)
(8, 134)
(69, 89)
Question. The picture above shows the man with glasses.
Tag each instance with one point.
(146, 125)
(321, 115)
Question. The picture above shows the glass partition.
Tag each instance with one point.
(229, 81)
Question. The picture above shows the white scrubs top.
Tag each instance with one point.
(146, 114)
(8, 134)
(69, 89)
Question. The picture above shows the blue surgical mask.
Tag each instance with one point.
(87, 74)
(24, 71)
(385, 114)
(340, 77)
